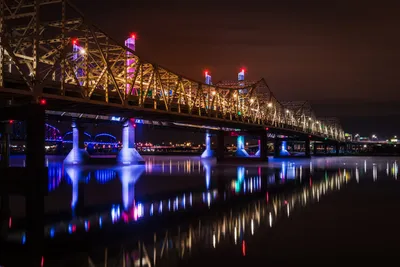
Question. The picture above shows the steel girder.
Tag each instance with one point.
(41, 54)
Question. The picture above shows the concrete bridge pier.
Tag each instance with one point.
(307, 148)
(128, 154)
(263, 146)
(208, 153)
(315, 148)
(337, 148)
(276, 148)
(78, 154)
(240, 151)
(220, 152)
(5, 211)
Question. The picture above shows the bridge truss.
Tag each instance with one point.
(39, 58)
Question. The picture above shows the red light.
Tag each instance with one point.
(134, 125)
(309, 136)
(11, 121)
(242, 70)
(206, 72)
(43, 102)
(267, 129)
(74, 41)
(244, 248)
(133, 36)
(9, 222)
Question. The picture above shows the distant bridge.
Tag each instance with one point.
(54, 135)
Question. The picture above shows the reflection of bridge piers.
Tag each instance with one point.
(129, 175)
(79, 176)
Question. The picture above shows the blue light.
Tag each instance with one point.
(52, 232)
(87, 224)
(151, 209)
(105, 134)
(113, 118)
(100, 222)
(23, 239)
(70, 229)
(140, 210)
(139, 121)
(115, 213)
(160, 207)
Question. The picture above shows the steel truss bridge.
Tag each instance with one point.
(52, 134)
(38, 60)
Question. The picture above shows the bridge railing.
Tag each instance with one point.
(72, 59)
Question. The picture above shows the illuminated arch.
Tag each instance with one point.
(89, 137)
(52, 133)
(111, 138)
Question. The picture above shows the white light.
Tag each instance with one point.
(251, 100)
(269, 105)
(82, 51)
(213, 92)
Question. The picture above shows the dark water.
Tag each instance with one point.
(190, 212)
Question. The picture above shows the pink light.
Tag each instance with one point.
(285, 202)
(9, 222)
(42, 262)
(43, 101)
(11, 121)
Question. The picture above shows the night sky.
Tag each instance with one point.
(344, 58)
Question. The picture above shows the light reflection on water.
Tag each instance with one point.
(314, 179)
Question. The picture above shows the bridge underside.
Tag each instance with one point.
(170, 118)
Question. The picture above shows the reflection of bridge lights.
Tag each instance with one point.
(115, 213)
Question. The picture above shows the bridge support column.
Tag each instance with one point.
(5, 131)
(276, 148)
(34, 199)
(263, 146)
(78, 154)
(325, 148)
(128, 154)
(208, 153)
(337, 148)
(240, 151)
(220, 146)
(5, 210)
(307, 148)
(259, 148)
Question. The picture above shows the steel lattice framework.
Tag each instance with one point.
(38, 58)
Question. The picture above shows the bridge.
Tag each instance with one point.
(65, 62)
(52, 134)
